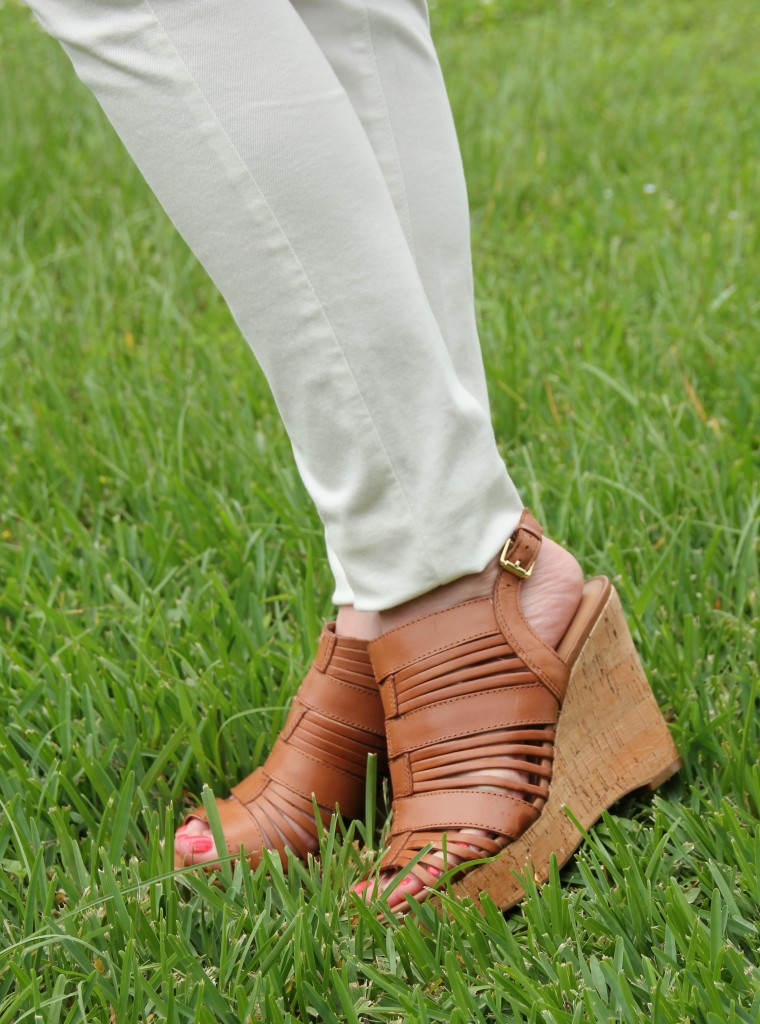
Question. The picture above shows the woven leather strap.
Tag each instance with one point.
(471, 697)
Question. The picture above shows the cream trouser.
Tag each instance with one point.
(306, 152)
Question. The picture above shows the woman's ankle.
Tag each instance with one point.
(358, 625)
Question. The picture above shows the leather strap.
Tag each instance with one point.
(538, 656)
(452, 808)
(325, 648)
(251, 786)
(522, 548)
(430, 635)
(469, 693)
(334, 723)
(238, 826)
(471, 715)
(342, 701)
(307, 776)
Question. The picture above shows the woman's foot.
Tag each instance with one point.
(335, 722)
(548, 599)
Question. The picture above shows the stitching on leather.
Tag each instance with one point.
(246, 805)
(337, 718)
(380, 643)
(444, 647)
(466, 732)
(325, 650)
(364, 691)
(392, 692)
(260, 770)
(321, 765)
(345, 721)
(468, 822)
(288, 729)
(409, 775)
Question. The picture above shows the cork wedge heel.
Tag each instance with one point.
(612, 739)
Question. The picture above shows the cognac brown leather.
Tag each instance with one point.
(334, 723)
(468, 692)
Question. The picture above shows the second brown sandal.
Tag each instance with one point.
(334, 723)
(472, 694)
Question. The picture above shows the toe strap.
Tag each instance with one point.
(426, 818)
(499, 813)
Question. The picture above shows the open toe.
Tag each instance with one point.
(194, 844)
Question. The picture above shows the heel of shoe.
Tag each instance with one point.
(611, 740)
(612, 736)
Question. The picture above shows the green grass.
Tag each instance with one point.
(161, 573)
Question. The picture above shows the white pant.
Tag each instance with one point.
(306, 152)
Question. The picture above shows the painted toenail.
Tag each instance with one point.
(202, 844)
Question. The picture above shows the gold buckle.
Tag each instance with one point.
(514, 567)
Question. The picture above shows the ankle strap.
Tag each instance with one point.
(523, 548)
(519, 554)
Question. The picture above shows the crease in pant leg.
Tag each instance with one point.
(336, 349)
(428, 164)
(384, 55)
(387, 142)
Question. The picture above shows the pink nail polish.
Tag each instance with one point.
(359, 889)
(201, 844)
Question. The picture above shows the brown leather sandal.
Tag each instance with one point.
(335, 722)
(472, 690)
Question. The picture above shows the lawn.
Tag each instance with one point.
(162, 581)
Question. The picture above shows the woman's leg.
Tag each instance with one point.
(250, 142)
(383, 54)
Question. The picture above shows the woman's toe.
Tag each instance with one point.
(193, 845)
(411, 885)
